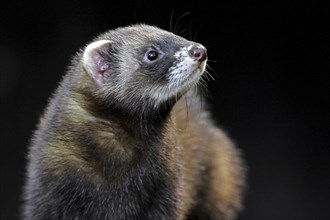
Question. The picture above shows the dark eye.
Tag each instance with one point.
(152, 55)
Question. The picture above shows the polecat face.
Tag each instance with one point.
(144, 63)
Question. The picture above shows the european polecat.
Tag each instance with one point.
(125, 137)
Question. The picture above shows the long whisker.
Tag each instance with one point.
(190, 31)
(171, 21)
(182, 33)
(177, 25)
(209, 68)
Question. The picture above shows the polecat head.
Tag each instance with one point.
(143, 64)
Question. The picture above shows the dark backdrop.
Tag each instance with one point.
(271, 65)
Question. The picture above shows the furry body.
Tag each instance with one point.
(125, 137)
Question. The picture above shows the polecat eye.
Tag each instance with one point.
(152, 55)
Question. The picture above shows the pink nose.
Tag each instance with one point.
(198, 53)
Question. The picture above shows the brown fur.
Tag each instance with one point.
(211, 162)
(92, 157)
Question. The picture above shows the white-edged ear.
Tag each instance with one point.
(95, 60)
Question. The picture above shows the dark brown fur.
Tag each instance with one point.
(95, 157)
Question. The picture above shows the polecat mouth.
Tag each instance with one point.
(202, 67)
(179, 82)
(195, 75)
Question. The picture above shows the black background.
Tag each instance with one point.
(271, 64)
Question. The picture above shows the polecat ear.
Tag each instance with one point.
(96, 60)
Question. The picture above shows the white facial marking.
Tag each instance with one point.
(184, 72)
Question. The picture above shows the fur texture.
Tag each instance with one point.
(122, 138)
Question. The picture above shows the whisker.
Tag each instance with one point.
(171, 21)
(187, 107)
(203, 88)
(208, 67)
(207, 75)
(190, 29)
(202, 83)
(196, 33)
(182, 33)
(176, 27)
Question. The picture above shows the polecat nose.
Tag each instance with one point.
(198, 53)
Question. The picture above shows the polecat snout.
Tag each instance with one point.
(125, 137)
